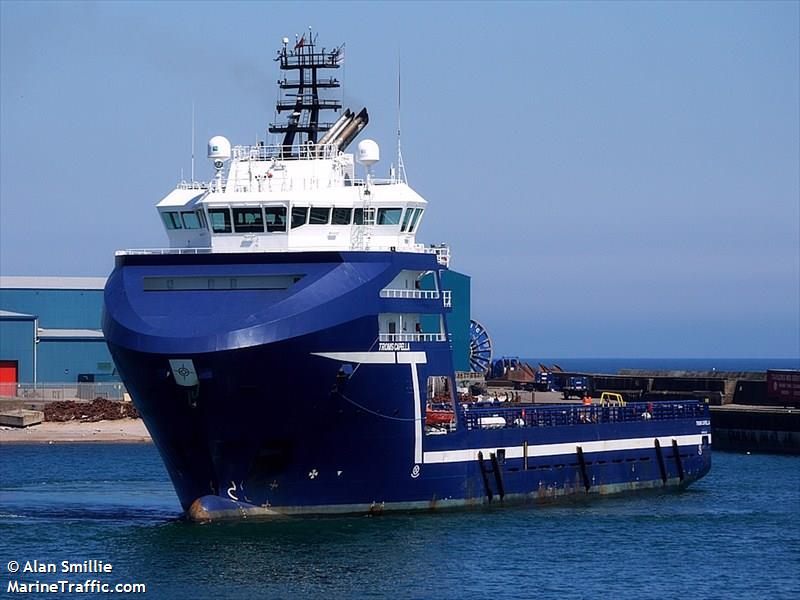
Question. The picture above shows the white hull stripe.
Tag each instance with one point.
(417, 414)
(450, 456)
(377, 358)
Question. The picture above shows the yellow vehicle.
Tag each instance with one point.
(611, 399)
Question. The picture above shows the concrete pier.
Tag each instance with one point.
(768, 429)
(21, 417)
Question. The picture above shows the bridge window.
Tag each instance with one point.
(415, 220)
(275, 217)
(299, 216)
(171, 220)
(341, 216)
(248, 220)
(358, 216)
(191, 220)
(206, 282)
(406, 219)
(320, 216)
(220, 220)
(389, 216)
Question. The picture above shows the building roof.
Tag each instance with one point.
(53, 283)
(51, 334)
(10, 315)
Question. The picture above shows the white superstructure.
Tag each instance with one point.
(304, 194)
(310, 201)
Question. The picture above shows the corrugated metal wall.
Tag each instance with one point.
(62, 309)
(59, 358)
(16, 344)
(65, 360)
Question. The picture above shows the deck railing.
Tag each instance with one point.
(416, 294)
(278, 151)
(194, 185)
(412, 337)
(442, 252)
(531, 415)
(438, 251)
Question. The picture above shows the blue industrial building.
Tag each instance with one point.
(50, 330)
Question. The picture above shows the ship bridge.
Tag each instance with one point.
(303, 194)
(303, 203)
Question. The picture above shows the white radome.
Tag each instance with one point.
(368, 152)
(219, 148)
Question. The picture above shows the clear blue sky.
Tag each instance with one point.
(618, 179)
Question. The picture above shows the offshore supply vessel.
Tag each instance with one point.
(294, 349)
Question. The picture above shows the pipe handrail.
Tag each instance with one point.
(561, 415)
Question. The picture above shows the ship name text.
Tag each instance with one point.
(394, 346)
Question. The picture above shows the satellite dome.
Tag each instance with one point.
(219, 148)
(368, 152)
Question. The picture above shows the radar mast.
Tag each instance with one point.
(304, 67)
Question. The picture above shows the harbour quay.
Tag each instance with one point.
(751, 411)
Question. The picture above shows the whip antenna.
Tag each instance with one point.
(401, 169)
(192, 141)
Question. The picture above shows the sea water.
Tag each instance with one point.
(734, 534)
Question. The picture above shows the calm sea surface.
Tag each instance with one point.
(735, 534)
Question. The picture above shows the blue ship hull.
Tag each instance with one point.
(297, 408)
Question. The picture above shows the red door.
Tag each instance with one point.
(8, 378)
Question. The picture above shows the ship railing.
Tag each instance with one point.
(285, 152)
(194, 185)
(416, 294)
(358, 182)
(442, 252)
(417, 248)
(531, 415)
(412, 337)
(149, 251)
